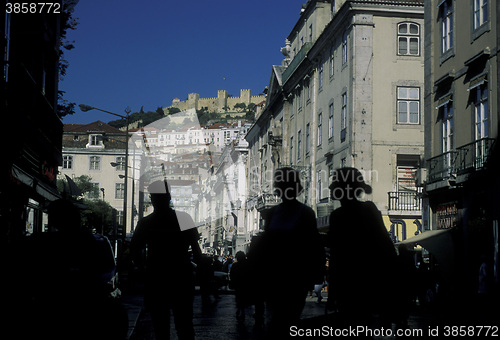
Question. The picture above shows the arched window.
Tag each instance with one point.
(408, 39)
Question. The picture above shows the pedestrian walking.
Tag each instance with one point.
(362, 255)
(292, 241)
(239, 278)
(168, 235)
(65, 274)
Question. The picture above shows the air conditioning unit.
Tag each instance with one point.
(420, 177)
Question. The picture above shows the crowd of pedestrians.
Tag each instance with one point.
(284, 264)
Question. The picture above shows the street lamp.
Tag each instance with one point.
(114, 165)
(86, 108)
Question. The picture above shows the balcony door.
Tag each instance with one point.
(407, 166)
(481, 123)
(447, 136)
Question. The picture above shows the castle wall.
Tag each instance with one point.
(218, 103)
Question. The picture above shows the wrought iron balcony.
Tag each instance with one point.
(469, 157)
(266, 201)
(405, 200)
(473, 156)
(442, 166)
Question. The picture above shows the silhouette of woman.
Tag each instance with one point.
(362, 255)
(293, 257)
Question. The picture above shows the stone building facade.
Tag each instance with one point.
(349, 93)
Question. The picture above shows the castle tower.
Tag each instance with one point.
(222, 99)
(245, 96)
(193, 99)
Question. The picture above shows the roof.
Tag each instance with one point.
(95, 126)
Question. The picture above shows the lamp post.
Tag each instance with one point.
(86, 108)
(114, 165)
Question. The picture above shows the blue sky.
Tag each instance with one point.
(145, 53)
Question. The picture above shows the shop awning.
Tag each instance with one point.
(41, 188)
(440, 244)
(427, 238)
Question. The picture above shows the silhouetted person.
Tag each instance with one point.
(66, 281)
(206, 277)
(239, 275)
(406, 289)
(227, 264)
(292, 255)
(362, 255)
(168, 236)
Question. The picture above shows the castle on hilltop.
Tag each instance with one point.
(222, 103)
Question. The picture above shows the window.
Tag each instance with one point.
(408, 105)
(310, 33)
(343, 118)
(343, 162)
(320, 128)
(320, 74)
(291, 150)
(332, 63)
(119, 217)
(330, 121)
(120, 160)
(67, 162)
(480, 13)
(446, 25)
(408, 39)
(344, 48)
(299, 141)
(94, 191)
(447, 127)
(481, 111)
(95, 163)
(299, 99)
(95, 140)
(307, 138)
(119, 191)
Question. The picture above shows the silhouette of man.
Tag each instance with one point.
(168, 235)
(66, 278)
(362, 255)
(292, 254)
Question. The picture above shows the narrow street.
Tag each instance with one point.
(217, 320)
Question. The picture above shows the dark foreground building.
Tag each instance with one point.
(30, 45)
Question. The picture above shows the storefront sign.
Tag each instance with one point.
(447, 215)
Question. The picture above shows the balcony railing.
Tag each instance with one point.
(474, 155)
(469, 157)
(266, 201)
(405, 200)
(442, 166)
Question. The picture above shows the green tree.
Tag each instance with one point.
(98, 214)
(173, 110)
(68, 22)
(159, 110)
(240, 106)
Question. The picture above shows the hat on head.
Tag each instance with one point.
(349, 178)
(159, 187)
